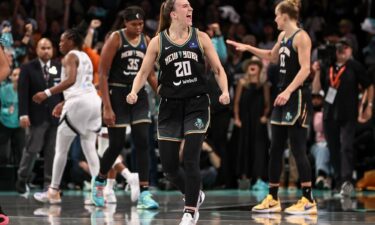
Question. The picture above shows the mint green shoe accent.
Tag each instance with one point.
(260, 186)
(97, 188)
(145, 201)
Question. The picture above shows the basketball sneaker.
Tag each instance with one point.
(97, 196)
(145, 201)
(268, 205)
(50, 196)
(302, 207)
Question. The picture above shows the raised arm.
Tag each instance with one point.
(4, 65)
(146, 68)
(271, 55)
(217, 68)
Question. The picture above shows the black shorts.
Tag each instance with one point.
(179, 117)
(127, 114)
(297, 110)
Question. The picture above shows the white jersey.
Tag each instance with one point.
(83, 83)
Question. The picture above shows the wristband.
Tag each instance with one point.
(48, 92)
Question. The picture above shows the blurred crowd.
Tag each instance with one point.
(235, 153)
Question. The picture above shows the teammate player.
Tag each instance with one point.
(180, 51)
(80, 113)
(291, 113)
(123, 53)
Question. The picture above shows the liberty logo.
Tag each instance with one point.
(199, 123)
(288, 116)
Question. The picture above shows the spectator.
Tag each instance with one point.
(10, 130)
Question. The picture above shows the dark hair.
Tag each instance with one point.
(133, 13)
(74, 35)
(290, 7)
(165, 19)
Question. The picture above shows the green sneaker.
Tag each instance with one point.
(97, 196)
(145, 201)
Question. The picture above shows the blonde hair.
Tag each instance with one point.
(165, 10)
(290, 7)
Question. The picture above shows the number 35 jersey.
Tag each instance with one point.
(127, 60)
(182, 67)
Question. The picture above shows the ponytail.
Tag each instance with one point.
(290, 7)
(165, 19)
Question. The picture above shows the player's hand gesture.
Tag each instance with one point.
(132, 98)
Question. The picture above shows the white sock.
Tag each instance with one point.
(125, 173)
(110, 184)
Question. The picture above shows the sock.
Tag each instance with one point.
(191, 211)
(101, 178)
(273, 192)
(307, 193)
(125, 173)
(143, 188)
(110, 184)
(322, 173)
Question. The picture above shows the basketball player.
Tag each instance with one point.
(180, 51)
(80, 112)
(123, 53)
(292, 111)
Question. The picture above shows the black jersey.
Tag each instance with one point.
(182, 67)
(288, 62)
(127, 61)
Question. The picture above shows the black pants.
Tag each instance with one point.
(12, 142)
(340, 139)
(140, 138)
(188, 178)
(297, 139)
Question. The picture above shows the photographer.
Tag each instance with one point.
(342, 82)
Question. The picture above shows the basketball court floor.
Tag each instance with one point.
(227, 207)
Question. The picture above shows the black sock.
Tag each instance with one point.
(307, 193)
(191, 211)
(322, 173)
(143, 188)
(273, 192)
(101, 178)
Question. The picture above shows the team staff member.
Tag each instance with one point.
(341, 82)
(180, 51)
(292, 107)
(123, 53)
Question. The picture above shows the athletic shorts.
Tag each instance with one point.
(179, 117)
(297, 110)
(127, 114)
(82, 114)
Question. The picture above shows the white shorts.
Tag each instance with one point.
(83, 113)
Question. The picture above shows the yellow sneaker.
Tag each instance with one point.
(302, 219)
(303, 206)
(266, 218)
(267, 205)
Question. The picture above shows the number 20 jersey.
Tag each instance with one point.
(182, 67)
(127, 60)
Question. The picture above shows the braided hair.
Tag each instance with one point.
(74, 35)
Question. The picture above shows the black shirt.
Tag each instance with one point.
(345, 105)
(127, 61)
(182, 67)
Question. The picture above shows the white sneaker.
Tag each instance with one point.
(133, 184)
(88, 201)
(47, 197)
(201, 198)
(187, 219)
(109, 196)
